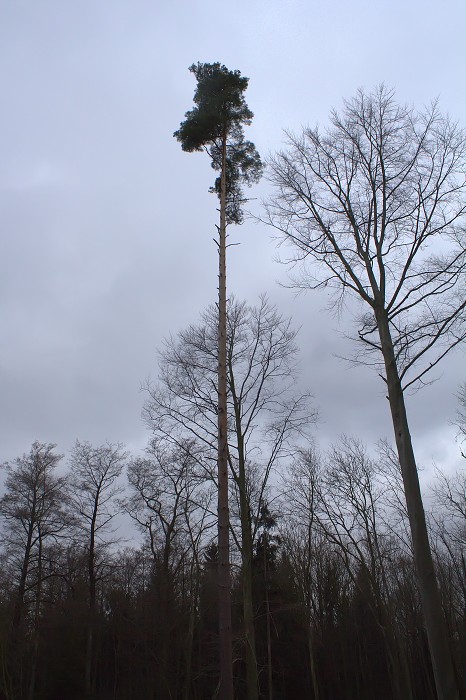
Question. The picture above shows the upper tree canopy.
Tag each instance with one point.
(216, 120)
(379, 200)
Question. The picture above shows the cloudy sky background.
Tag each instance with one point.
(107, 226)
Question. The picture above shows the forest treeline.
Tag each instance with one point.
(323, 579)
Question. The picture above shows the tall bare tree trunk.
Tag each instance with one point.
(312, 663)
(19, 600)
(252, 681)
(92, 607)
(165, 620)
(248, 609)
(194, 600)
(430, 595)
(13, 671)
(35, 640)
(224, 577)
(267, 619)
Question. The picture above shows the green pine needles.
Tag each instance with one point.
(216, 122)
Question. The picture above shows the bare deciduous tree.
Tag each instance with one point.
(303, 540)
(33, 507)
(351, 515)
(264, 414)
(449, 517)
(32, 502)
(448, 527)
(173, 507)
(377, 201)
(94, 487)
(342, 500)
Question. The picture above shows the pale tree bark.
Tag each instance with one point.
(224, 573)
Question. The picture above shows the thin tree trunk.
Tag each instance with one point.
(194, 596)
(224, 583)
(15, 649)
(400, 682)
(165, 613)
(267, 620)
(252, 681)
(248, 618)
(19, 602)
(312, 663)
(92, 606)
(35, 643)
(428, 586)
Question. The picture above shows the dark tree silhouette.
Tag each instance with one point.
(93, 483)
(34, 505)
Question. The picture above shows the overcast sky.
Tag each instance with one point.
(107, 226)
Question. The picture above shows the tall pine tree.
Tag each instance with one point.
(215, 124)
